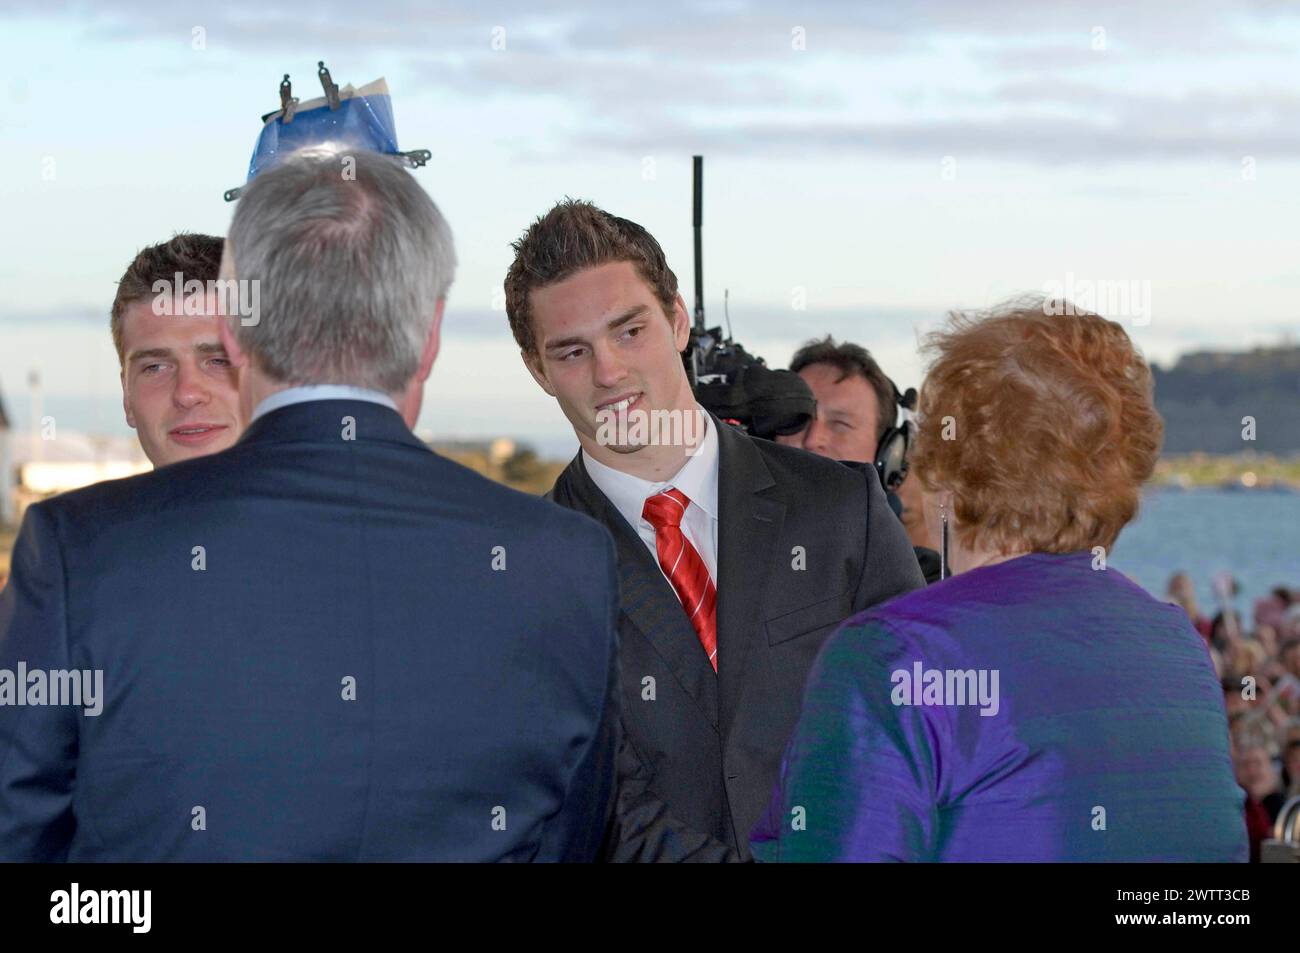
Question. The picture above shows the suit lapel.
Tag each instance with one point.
(749, 524)
(648, 604)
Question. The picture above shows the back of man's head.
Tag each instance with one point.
(351, 256)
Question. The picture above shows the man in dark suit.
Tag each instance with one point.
(326, 642)
(737, 556)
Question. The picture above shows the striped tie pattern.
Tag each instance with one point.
(684, 567)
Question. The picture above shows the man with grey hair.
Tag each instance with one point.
(326, 642)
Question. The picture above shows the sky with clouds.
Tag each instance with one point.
(880, 163)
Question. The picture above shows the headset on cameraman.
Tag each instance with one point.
(891, 450)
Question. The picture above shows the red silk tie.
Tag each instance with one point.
(684, 567)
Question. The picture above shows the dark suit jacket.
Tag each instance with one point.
(803, 542)
(484, 724)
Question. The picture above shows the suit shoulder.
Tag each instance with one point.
(103, 501)
(534, 515)
(795, 465)
(545, 514)
(521, 506)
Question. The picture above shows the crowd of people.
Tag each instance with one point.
(1258, 663)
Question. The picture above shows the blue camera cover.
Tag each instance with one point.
(364, 120)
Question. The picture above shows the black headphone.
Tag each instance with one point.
(891, 451)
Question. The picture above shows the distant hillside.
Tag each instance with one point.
(1206, 394)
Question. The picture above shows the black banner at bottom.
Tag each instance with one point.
(135, 902)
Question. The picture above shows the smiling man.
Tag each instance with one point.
(179, 390)
(737, 557)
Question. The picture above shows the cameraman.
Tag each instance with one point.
(857, 405)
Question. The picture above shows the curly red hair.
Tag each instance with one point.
(1040, 420)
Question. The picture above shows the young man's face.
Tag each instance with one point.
(604, 343)
(178, 388)
(848, 413)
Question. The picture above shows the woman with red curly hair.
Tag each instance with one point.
(1038, 705)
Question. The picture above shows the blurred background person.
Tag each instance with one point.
(179, 390)
(1291, 760)
(1258, 777)
(1182, 592)
(1225, 628)
(1099, 733)
(1288, 684)
(857, 406)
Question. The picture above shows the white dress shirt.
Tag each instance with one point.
(300, 395)
(698, 479)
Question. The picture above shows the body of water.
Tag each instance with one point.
(1255, 535)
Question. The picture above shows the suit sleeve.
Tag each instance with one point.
(580, 828)
(38, 743)
(644, 831)
(890, 567)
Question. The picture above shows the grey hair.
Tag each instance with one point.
(350, 255)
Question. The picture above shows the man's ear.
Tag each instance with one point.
(237, 356)
(534, 364)
(681, 321)
(432, 343)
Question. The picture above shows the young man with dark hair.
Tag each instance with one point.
(737, 556)
(179, 390)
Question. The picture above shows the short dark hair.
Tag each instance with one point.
(852, 359)
(193, 255)
(570, 237)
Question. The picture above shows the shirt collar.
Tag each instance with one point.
(300, 395)
(698, 479)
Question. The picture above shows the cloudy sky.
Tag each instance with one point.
(879, 163)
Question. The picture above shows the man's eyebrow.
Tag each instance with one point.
(152, 352)
(629, 315)
(840, 413)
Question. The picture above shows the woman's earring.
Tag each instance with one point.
(943, 541)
